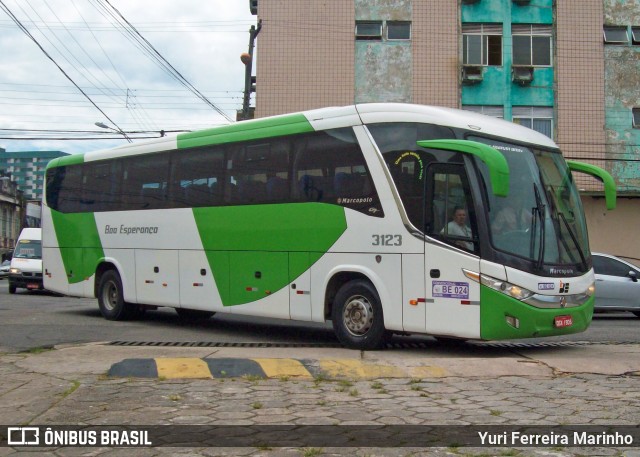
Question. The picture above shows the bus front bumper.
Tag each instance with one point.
(503, 317)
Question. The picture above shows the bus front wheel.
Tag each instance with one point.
(111, 298)
(357, 316)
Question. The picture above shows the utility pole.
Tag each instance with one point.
(249, 81)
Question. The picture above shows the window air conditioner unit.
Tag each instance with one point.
(522, 2)
(522, 75)
(471, 74)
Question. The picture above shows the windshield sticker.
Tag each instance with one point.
(507, 148)
(448, 289)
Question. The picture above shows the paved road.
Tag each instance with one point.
(31, 320)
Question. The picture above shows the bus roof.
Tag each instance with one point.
(320, 119)
(451, 117)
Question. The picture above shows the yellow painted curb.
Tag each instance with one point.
(276, 368)
(427, 372)
(183, 367)
(350, 368)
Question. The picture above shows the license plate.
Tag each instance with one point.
(563, 321)
(33, 286)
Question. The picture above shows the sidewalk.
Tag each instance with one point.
(551, 386)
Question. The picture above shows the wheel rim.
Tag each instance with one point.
(110, 296)
(358, 315)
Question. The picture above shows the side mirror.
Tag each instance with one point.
(633, 276)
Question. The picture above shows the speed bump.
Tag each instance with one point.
(213, 368)
(182, 368)
(277, 368)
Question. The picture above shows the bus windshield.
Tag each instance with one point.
(541, 219)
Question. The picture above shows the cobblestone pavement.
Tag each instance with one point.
(96, 399)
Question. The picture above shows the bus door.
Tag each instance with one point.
(452, 300)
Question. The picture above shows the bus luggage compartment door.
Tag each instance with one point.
(198, 285)
(157, 277)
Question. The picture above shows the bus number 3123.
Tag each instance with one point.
(386, 240)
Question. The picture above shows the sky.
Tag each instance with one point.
(125, 86)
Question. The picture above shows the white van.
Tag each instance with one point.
(26, 264)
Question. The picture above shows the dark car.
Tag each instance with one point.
(4, 269)
(617, 285)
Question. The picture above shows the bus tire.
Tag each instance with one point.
(357, 316)
(111, 298)
(193, 314)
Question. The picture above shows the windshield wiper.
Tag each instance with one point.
(573, 238)
(540, 210)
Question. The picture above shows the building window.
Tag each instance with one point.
(398, 30)
(538, 118)
(636, 117)
(532, 45)
(616, 35)
(487, 110)
(482, 44)
(369, 30)
(635, 35)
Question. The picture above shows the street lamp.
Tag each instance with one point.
(102, 125)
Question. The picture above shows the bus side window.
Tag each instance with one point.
(70, 189)
(259, 173)
(196, 177)
(145, 182)
(55, 177)
(450, 214)
(329, 167)
(101, 186)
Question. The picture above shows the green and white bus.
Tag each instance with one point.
(338, 214)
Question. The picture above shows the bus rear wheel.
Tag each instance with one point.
(111, 298)
(357, 316)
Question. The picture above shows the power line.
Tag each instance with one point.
(95, 38)
(24, 29)
(164, 63)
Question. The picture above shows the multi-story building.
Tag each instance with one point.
(11, 214)
(570, 70)
(27, 169)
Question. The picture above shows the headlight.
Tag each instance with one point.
(591, 290)
(15, 271)
(517, 292)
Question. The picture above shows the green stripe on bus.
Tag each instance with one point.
(256, 250)
(79, 242)
(72, 159)
(248, 130)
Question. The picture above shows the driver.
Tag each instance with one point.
(458, 227)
